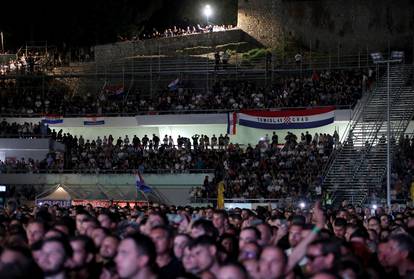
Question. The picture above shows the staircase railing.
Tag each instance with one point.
(373, 135)
(354, 114)
(376, 120)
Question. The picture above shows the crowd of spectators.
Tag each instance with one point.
(200, 153)
(29, 62)
(270, 169)
(26, 97)
(33, 62)
(177, 31)
(25, 130)
(158, 241)
(20, 65)
(340, 88)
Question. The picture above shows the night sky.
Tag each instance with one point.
(84, 23)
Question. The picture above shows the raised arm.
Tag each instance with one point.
(300, 251)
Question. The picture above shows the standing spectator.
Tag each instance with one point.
(169, 265)
(225, 58)
(55, 257)
(298, 59)
(216, 60)
(204, 251)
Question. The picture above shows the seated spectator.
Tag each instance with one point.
(341, 88)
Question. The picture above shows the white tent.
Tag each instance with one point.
(58, 196)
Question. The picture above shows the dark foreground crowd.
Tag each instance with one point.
(184, 242)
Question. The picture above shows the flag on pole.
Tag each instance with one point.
(174, 84)
(140, 184)
(114, 91)
(231, 123)
(2, 41)
(220, 195)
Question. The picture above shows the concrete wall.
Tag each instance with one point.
(24, 148)
(167, 46)
(325, 24)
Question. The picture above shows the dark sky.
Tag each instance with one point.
(90, 22)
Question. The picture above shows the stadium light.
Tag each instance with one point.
(377, 58)
(374, 206)
(2, 41)
(207, 11)
(302, 205)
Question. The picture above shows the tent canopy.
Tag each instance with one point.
(59, 194)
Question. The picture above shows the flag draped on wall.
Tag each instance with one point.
(93, 121)
(52, 119)
(287, 119)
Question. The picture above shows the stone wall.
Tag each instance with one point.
(168, 46)
(325, 24)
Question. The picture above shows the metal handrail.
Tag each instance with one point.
(237, 200)
(95, 171)
(380, 118)
(166, 64)
(164, 112)
(356, 112)
(25, 136)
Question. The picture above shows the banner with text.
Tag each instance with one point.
(288, 119)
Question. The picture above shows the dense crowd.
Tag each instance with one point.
(123, 155)
(269, 170)
(341, 88)
(272, 166)
(327, 88)
(177, 31)
(25, 130)
(29, 62)
(184, 242)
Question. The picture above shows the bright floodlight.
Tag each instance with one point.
(208, 11)
(302, 205)
(374, 206)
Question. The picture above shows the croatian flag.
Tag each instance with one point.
(140, 184)
(119, 90)
(174, 84)
(288, 119)
(52, 119)
(231, 123)
(114, 90)
(93, 121)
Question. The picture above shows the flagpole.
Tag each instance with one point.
(2, 42)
